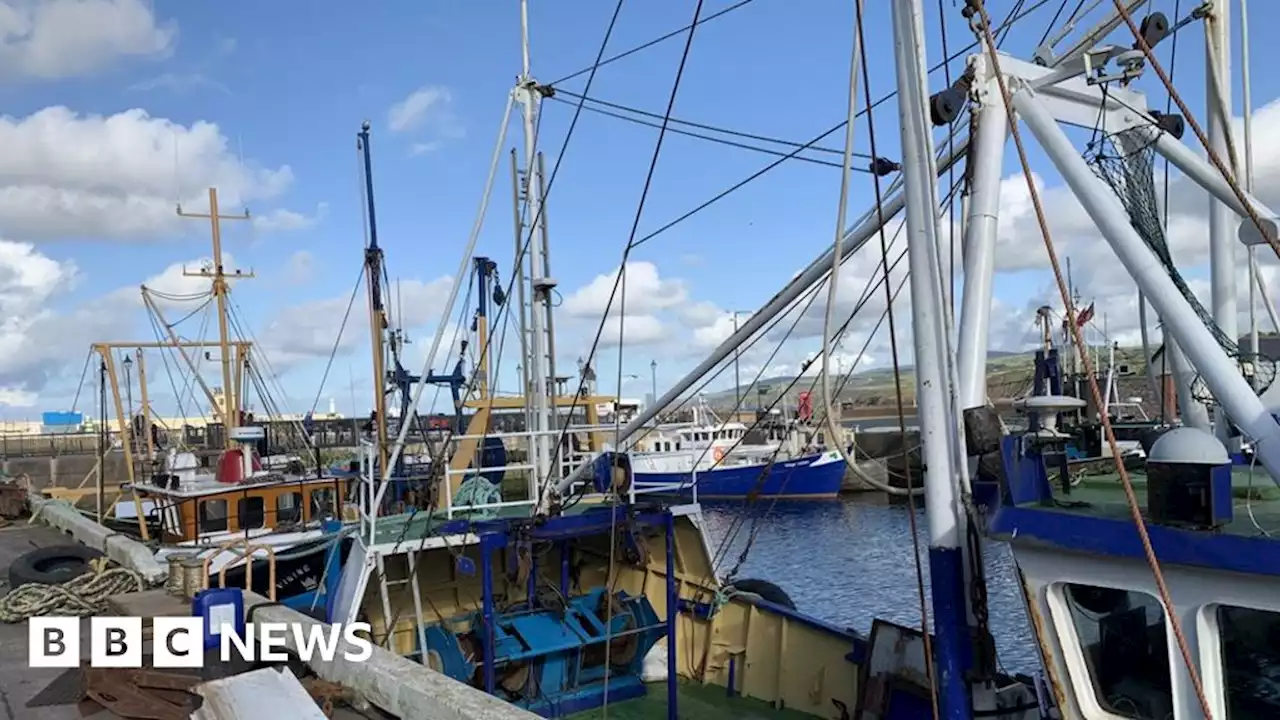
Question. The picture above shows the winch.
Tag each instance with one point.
(552, 661)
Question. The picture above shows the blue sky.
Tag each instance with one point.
(287, 84)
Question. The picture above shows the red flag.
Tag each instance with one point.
(805, 411)
(1085, 316)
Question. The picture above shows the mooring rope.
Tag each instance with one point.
(83, 596)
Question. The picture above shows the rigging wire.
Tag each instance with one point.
(84, 373)
(711, 138)
(1175, 623)
(1009, 21)
(704, 126)
(619, 278)
(621, 282)
(438, 458)
(897, 382)
(599, 63)
(338, 340)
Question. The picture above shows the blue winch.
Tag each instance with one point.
(552, 661)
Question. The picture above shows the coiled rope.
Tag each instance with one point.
(83, 596)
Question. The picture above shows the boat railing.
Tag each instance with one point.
(516, 472)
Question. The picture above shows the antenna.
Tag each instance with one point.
(230, 414)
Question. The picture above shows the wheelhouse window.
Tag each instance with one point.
(1250, 657)
(251, 513)
(289, 507)
(1125, 645)
(213, 516)
(321, 503)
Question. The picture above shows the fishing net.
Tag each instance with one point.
(1125, 161)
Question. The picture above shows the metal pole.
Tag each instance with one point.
(1222, 264)
(104, 437)
(980, 246)
(737, 378)
(1248, 177)
(1219, 372)
(653, 372)
(673, 600)
(521, 299)
(928, 307)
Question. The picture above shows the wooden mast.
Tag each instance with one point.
(230, 404)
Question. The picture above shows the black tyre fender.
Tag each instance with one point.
(52, 565)
(766, 590)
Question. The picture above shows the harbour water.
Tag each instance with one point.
(847, 562)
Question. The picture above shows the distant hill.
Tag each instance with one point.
(1008, 374)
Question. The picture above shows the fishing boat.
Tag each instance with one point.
(1154, 609)
(253, 504)
(714, 460)
(578, 591)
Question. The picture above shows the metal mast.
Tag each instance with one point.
(377, 312)
(1222, 244)
(529, 95)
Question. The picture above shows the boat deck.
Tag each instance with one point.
(1256, 506)
(704, 702)
(413, 527)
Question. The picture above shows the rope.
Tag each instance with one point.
(1175, 624)
(81, 597)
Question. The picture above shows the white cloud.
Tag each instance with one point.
(66, 175)
(299, 268)
(52, 39)
(427, 112)
(646, 293)
(281, 219)
(632, 330)
(179, 83)
(311, 329)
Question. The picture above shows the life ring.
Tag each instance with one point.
(718, 454)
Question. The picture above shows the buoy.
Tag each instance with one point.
(718, 454)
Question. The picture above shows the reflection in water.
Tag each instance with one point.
(849, 562)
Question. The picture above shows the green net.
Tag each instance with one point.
(1125, 161)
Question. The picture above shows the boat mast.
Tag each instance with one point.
(377, 312)
(230, 403)
(1222, 243)
(529, 95)
(938, 426)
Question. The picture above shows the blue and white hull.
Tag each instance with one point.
(817, 476)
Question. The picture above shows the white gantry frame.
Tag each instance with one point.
(1043, 98)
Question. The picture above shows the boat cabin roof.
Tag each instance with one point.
(206, 484)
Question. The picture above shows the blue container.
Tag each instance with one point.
(220, 608)
(62, 418)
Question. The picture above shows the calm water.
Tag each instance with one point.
(849, 562)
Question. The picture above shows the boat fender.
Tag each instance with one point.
(718, 454)
(52, 565)
(766, 590)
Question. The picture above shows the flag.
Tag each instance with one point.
(1082, 318)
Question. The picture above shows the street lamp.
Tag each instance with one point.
(128, 383)
(737, 380)
(653, 371)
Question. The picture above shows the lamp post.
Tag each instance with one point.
(128, 384)
(653, 375)
(737, 380)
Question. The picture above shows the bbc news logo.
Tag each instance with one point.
(179, 642)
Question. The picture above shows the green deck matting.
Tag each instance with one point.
(696, 702)
(1103, 495)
